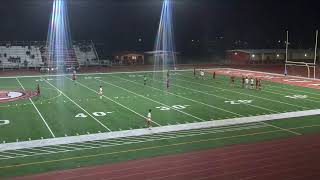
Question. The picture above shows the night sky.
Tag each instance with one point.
(211, 24)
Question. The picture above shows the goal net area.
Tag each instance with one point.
(301, 69)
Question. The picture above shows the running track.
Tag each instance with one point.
(293, 158)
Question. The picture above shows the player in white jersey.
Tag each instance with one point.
(252, 83)
(202, 74)
(149, 121)
(247, 82)
(100, 92)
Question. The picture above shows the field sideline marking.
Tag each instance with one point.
(151, 100)
(185, 98)
(245, 94)
(155, 130)
(114, 101)
(37, 111)
(77, 105)
(121, 142)
(139, 149)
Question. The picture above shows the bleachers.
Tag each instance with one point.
(35, 55)
(85, 53)
(20, 56)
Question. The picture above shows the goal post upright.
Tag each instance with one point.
(315, 54)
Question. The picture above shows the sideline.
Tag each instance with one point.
(156, 130)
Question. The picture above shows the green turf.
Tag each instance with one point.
(126, 100)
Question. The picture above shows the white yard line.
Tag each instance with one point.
(277, 92)
(45, 122)
(152, 100)
(155, 130)
(186, 98)
(244, 94)
(288, 89)
(191, 89)
(114, 101)
(89, 114)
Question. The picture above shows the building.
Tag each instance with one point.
(129, 58)
(268, 56)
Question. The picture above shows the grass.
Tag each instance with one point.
(72, 109)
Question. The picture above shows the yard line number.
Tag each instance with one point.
(97, 114)
(239, 102)
(4, 122)
(168, 108)
(297, 97)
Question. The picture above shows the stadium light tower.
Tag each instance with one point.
(164, 45)
(58, 38)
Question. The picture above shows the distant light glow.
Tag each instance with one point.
(278, 55)
(165, 46)
(59, 41)
(253, 55)
(305, 55)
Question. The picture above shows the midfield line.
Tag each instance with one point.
(38, 111)
(152, 100)
(77, 105)
(114, 101)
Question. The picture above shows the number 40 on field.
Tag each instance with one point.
(97, 114)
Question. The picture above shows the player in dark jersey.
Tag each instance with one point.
(168, 83)
(232, 80)
(214, 75)
(257, 83)
(194, 72)
(243, 81)
(260, 84)
(38, 90)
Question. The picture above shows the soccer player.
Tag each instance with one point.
(260, 84)
(74, 77)
(247, 82)
(243, 81)
(232, 80)
(202, 74)
(214, 75)
(145, 80)
(100, 92)
(252, 82)
(168, 83)
(257, 83)
(38, 90)
(149, 121)
(194, 72)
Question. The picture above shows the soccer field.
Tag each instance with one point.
(66, 108)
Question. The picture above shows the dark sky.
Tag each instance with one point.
(120, 23)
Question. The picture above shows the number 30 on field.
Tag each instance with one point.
(97, 114)
(4, 122)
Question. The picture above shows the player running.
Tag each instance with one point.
(149, 121)
(214, 75)
(100, 92)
